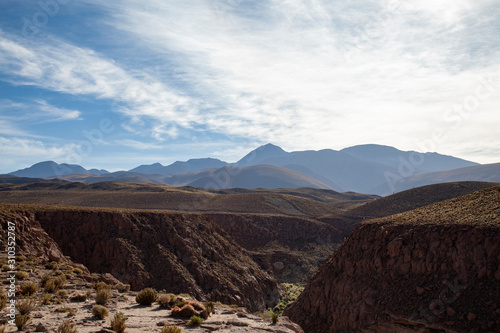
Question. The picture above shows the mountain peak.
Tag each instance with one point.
(261, 153)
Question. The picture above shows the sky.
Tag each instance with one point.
(116, 84)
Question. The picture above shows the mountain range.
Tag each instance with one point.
(373, 169)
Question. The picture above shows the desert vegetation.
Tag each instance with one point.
(62, 304)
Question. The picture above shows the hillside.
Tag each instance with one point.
(197, 256)
(432, 269)
(417, 197)
(483, 173)
(307, 202)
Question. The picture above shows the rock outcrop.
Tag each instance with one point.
(182, 253)
(30, 237)
(433, 269)
(290, 248)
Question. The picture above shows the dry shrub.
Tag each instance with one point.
(52, 265)
(46, 298)
(122, 287)
(171, 329)
(101, 285)
(3, 301)
(100, 311)
(210, 306)
(29, 288)
(146, 296)
(67, 327)
(102, 296)
(63, 293)
(21, 275)
(167, 300)
(118, 323)
(26, 305)
(21, 321)
(50, 286)
(195, 321)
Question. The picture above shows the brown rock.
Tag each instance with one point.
(471, 316)
(235, 322)
(78, 297)
(450, 311)
(40, 328)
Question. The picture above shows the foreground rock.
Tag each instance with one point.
(183, 253)
(434, 269)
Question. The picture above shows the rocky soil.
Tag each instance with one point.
(60, 307)
(434, 269)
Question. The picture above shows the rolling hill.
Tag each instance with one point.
(308, 202)
(417, 197)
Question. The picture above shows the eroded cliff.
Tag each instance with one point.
(166, 250)
(434, 269)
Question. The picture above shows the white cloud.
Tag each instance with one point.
(138, 144)
(302, 74)
(16, 151)
(59, 66)
(344, 84)
(57, 114)
(8, 127)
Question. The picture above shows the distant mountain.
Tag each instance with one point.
(371, 169)
(392, 157)
(258, 176)
(362, 169)
(53, 169)
(192, 165)
(339, 170)
(148, 169)
(483, 173)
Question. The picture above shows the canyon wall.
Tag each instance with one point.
(181, 253)
(435, 269)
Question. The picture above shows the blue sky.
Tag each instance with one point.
(115, 84)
